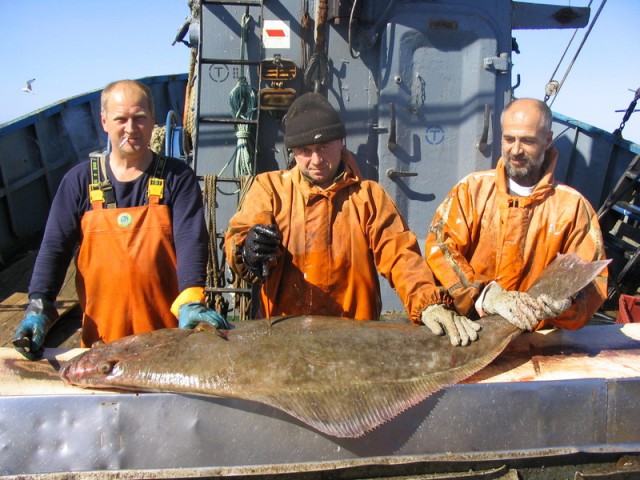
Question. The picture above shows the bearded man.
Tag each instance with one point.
(498, 229)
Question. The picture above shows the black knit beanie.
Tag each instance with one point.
(310, 120)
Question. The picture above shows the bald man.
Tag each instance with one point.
(137, 219)
(497, 230)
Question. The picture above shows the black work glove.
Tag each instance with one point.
(261, 246)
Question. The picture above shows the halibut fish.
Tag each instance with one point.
(341, 377)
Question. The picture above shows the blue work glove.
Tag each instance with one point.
(40, 316)
(261, 246)
(191, 314)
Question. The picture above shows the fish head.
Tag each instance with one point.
(102, 366)
(141, 362)
(89, 370)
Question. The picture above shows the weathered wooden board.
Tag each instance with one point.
(12, 312)
(14, 283)
(19, 376)
(597, 351)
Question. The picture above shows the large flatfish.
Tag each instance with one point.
(341, 377)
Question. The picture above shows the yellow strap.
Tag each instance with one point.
(95, 193)
(188, 295)
(156, 187)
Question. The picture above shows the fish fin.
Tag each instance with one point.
(206, 327)
(333, 411)
(566, 276)
(274, 320)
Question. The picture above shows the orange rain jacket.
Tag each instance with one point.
(481, 233)
(333, 241)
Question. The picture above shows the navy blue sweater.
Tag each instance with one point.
(182, 195)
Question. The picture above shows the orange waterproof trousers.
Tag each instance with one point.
(126, 271)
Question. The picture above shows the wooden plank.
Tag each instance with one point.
(16, 277)
(12, 312)
(19, 376)
(14, 284)
(598, 351)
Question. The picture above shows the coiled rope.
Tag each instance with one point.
(214, 269)
(244, 105)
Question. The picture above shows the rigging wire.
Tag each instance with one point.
(371, 34)
(553, 87)
(354, 54)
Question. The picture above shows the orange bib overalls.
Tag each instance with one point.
(126, 265)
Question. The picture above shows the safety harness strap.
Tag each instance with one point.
(155, 190)
(101, 189)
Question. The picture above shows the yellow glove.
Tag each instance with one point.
(188, 295)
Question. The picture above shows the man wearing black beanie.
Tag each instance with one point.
(317, 235)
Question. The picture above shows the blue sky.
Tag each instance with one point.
(74, 46)
(605, 70)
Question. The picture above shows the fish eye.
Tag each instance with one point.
(106, 367)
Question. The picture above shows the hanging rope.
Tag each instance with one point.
(188, 117)
(189, 120)
(243, 99)
(216, 260)
(157, 139)
(215, 266)
(305, 30)
(244, 105)
(242, 303)
(553, 87)
(316, 75)
(214, 271)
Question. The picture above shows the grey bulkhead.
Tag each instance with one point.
(419, 104)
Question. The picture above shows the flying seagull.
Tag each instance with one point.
(27, 88)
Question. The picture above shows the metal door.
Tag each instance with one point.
(444, 73)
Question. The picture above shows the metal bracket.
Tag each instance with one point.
(498, 64)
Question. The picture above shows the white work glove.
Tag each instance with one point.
(520, 308)
(440, 320)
